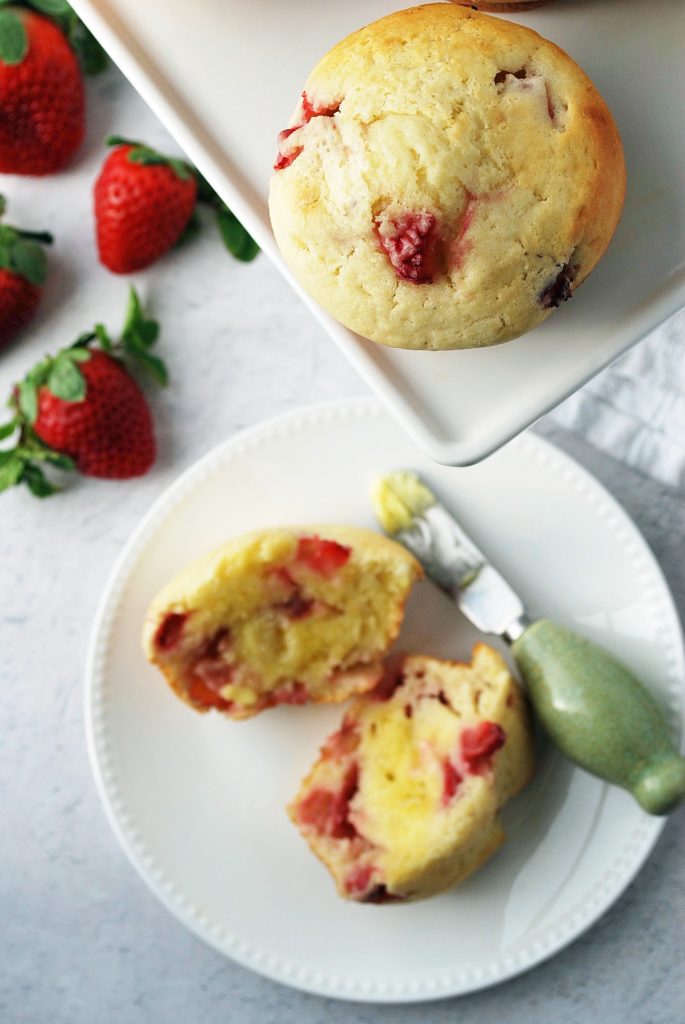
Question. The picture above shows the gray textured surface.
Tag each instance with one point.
(81, 939)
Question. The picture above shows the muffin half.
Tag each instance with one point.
(403, 800)
(282, 616)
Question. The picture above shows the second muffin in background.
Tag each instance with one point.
(447, 179)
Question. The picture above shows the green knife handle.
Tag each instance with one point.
(599, 715)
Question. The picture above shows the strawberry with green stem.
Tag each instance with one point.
(23, 269)
(145, 203)
(42, 102)
(82, 410)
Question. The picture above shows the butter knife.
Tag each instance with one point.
(593, 708)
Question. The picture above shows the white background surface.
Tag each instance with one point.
(80, 937)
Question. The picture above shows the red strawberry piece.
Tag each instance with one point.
(285, 157)
(109, 432)
(170, 630)
(479, 743)
(450, 782)
(293, 693)
(203, 695)
(310, 110)
(41, 95)
(325, 557)
(297, 606)
(18, 302)
(283, 576)
(341, 827)
(315, 809)
(143, 203)
(213, 673)
(218, 644)
(343, 742)
(23, 269)
(390, 682)
(411, 242)
(359, 879)
(328, 812)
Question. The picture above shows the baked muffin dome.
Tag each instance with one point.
(447, 179)
(281, 616)
(403, 800)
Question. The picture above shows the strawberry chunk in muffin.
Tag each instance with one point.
(403, 800)
(281, 617)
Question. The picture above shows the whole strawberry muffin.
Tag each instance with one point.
(281, 616)
(403, 800)
(447, 179)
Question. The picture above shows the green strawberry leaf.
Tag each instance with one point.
(66, 380)
(36, 481)
(235, 237)
(152, 364)
(137, 337)
(134, 311)
(39, 373)
(35, 449)
(28, 399)
(83, 341)
(8, 239)
(11, 469)
(29, 260)
(7, 429)
(121, 140)
(181, 167)
(90, 54)
(190, 231)
(142, 154)
(103, 338)
(77, 354)
(14, 41)
(53, 8)
(57, 459)
(205, 192)
(148, 331)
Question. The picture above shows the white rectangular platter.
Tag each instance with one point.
(225, 75)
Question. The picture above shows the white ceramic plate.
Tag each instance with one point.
(197, 801)
(224, 76)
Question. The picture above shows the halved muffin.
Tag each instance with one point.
(403, 800)
(281, 616)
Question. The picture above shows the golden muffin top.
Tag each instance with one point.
(446, 180)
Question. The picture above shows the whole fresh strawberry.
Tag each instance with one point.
(145, 203)
(41, 94)
(82, 410)
(23, 269)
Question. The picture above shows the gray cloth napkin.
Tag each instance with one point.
(635, 409)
